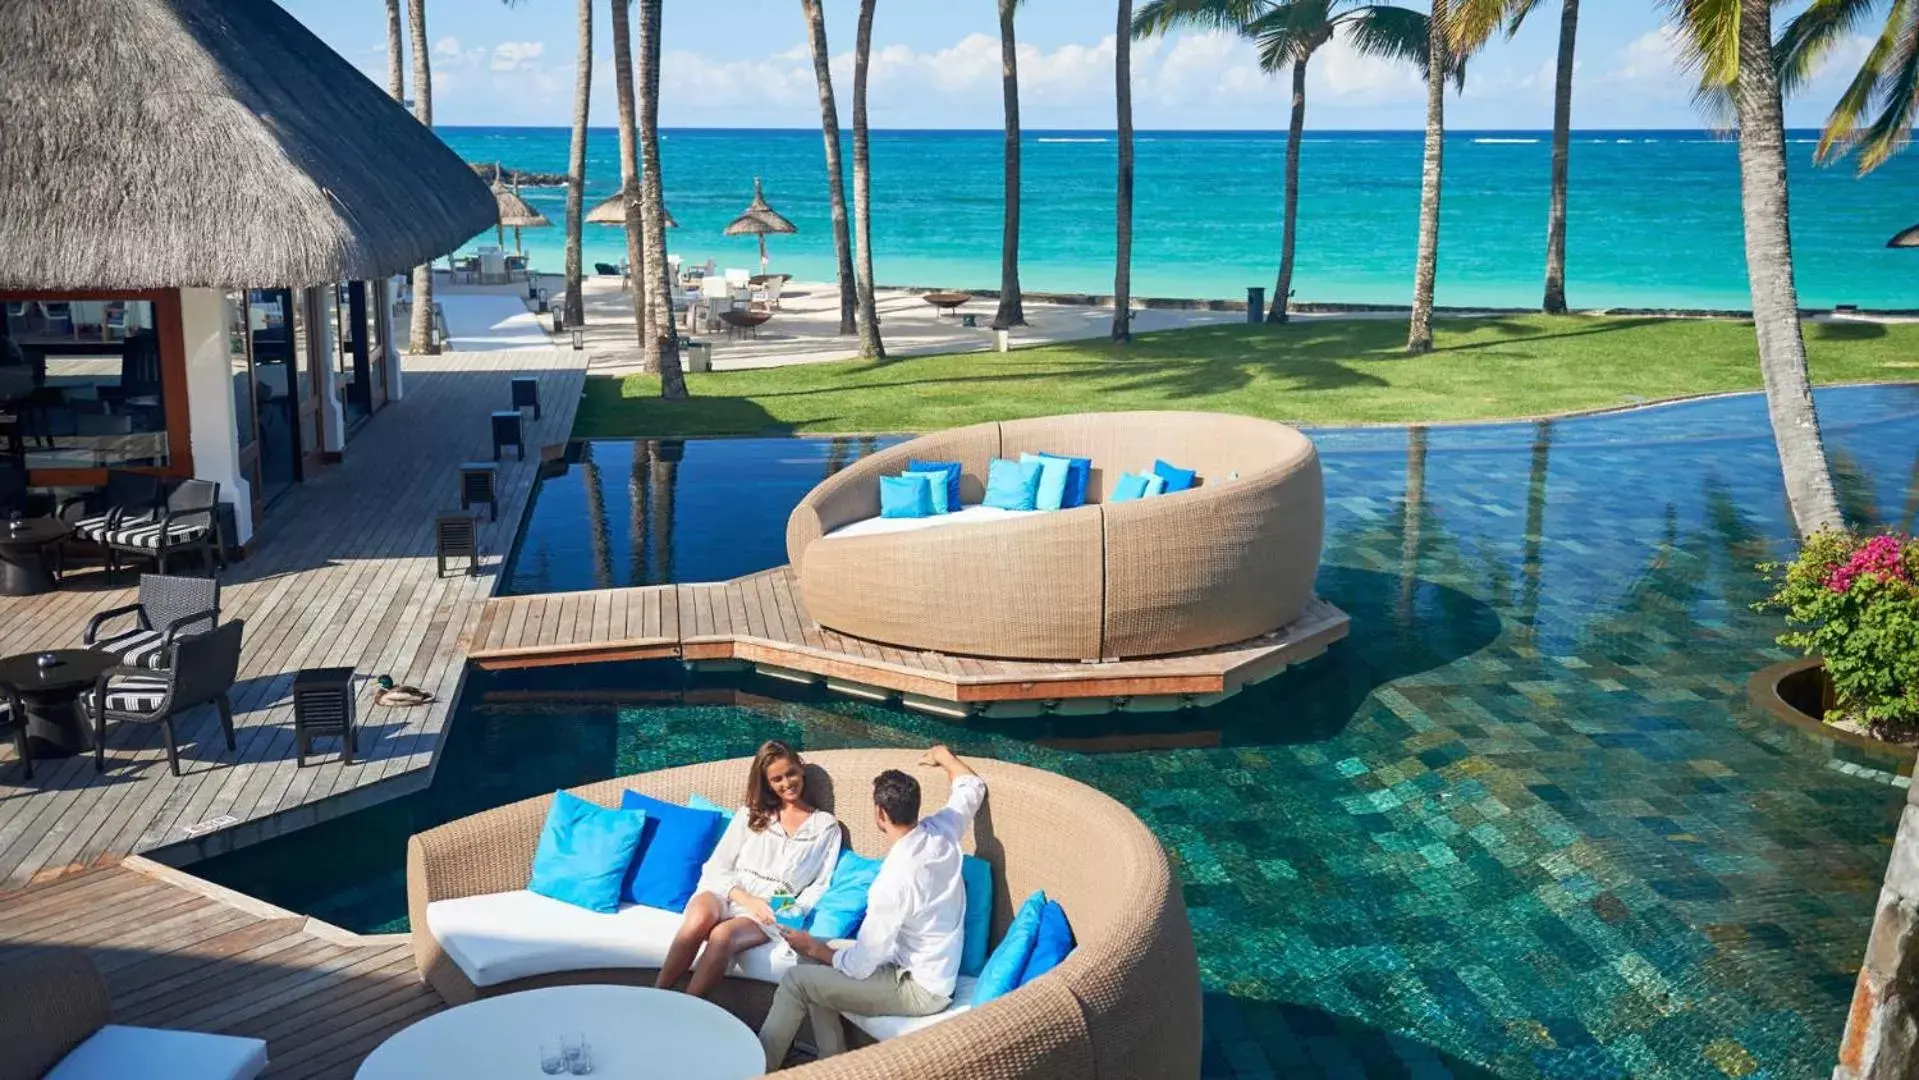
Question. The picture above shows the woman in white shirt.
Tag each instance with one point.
(775, 843)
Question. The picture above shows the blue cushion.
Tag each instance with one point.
(1079, 472)
(1012, 485)
(906, 497)
(952, 471)
(584, 852)
(1130, 486)
(1177, 479)
(1054, 478)
(1050, 945)
(1003, 969)
(701, 802)
(977, 875)
(843, 906)
(1155, 485)
(677, 842)
(936, 487)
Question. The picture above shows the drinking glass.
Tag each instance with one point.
(581, 1061)
(552, 1061)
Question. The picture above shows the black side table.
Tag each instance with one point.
(457, 536)
(526, 394)
(323, 708)
(480, 483)
(506, 432)
(24, 567)
(51, 695)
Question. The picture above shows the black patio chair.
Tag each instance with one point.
(199, 668)
(169, 608)
(184, 523)
(124, 494)
(13, 716)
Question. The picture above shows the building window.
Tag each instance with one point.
(98, 401)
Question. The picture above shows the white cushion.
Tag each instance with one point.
(971, 515)
(883, 1028)
(116, 1053)
(500, 937)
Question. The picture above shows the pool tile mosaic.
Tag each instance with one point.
(1521, 824)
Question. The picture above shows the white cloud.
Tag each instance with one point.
(447, 46)
(517, 55)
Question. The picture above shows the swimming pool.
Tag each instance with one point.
(1522, 823)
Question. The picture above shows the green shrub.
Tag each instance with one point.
(1852, 600)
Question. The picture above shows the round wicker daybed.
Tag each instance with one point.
(1124, 1004)
(1227, 561)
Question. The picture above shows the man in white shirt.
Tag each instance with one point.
(905, 961)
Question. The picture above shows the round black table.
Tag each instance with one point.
(51, 696)
(23, 555)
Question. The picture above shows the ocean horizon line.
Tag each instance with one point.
(1108, 133)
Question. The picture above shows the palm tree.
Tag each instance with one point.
(835, 172)
(395, 53)
(1123, 199)
(630, 171)
(871, 347)
(1474, 22)
(1884, 93)
(662, 342)
(1439, 64)
(1011, 311)
(1287, 33)
(575, 309)
(421, 332)
(1730, 42)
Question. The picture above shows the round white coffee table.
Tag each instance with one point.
(633, 1032)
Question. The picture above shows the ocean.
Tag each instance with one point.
(1653, 220)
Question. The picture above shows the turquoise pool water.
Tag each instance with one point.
(1521, 824)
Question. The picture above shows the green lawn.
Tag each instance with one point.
(1321, 372)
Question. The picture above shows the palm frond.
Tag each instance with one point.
(1709, 36)
(1290, 31)
(1893, 67)
(1811, 36)
(1158, 17)
(1391, 33)
(1470, 24)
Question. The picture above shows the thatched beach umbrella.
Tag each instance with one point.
(1906, 239)
(612, 211)
(210, 143)
(759, 220)
(514, 211)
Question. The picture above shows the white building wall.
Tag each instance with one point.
(326, 340)
(216, 448)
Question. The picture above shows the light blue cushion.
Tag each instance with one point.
(1155, 485)
(1130, 486)
(843, 906)
(1050, 945)
(906, 496)
(1002, 972)
(677, 842)
(1012, 485)
(1079, 473)
(701, 802)
(1177, 479)
(950, 469)
(936, 488)
(1055, 474)
(977, 875)
(584, 852)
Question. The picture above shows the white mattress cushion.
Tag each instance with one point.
(883, 1028)
(116, 1053)
(499, 937)
(971, 515)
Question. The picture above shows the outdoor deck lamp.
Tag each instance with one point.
(540, 307)
(579, 339)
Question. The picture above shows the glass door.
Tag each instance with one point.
(315, 352)
(246, 422)
(271, 320)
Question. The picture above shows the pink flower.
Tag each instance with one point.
(1882, 557)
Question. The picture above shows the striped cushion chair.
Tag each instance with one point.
(185, 523)
(13, 716)
(199, 669)
(168, 608)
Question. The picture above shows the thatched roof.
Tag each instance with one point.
(759, 218)
(1907, 239)
(514, 213)
(612, 211)
(165, 143)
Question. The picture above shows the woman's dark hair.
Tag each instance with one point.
(899, 795)
(762, 802)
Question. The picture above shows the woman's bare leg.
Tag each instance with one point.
(729, 939)
(704, 912)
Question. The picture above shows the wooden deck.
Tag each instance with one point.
(177, 953)
(759, 619)
(342, 573)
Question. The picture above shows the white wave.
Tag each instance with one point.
(1072, 140)
(1504, 142)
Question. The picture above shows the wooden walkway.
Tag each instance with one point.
(759, 619)
(177, 953)
(342, 573)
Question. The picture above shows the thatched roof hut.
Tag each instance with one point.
(612, 211)
(171, 143)
(514, 211)
(759, 219)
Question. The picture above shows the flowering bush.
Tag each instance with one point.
(1853, 601)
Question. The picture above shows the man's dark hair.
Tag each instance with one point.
(899, 795)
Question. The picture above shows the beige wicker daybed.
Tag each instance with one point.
(1124, 1004)
(1227, 561)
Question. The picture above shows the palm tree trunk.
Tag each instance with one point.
(835, 171)
(630, 173)
(395, 54)
(871, 347)
(575, 309)
(1555, 303)
(1419, 336)
(662, 342)
(1123, 199)
(1775, 294)
(1295, 133)
(1011, 311)
(421, 331)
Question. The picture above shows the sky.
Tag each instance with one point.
(745, 63)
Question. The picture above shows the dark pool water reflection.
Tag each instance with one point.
(1521, 824)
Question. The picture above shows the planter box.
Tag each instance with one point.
(1798, 693)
